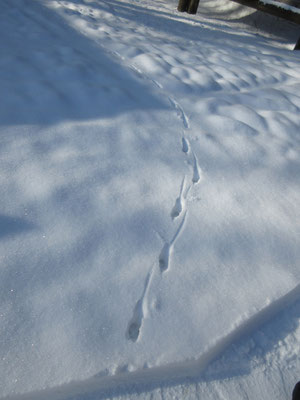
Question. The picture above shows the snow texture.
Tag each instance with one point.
(149, 226)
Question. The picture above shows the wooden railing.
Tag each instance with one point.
(287, 9)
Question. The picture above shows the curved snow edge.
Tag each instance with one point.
(156, 376)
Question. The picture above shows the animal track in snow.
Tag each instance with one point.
(144, 76)
(196, 173)
(180, 112)
(185, 145)
(178, 207)
(182, 115)
(134, 326)
(164, 257)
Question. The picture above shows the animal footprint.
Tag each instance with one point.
(180, 112)
(185, 145)
(178, 207)
(196, 174)
(135, 324)
(164, 257)
(133, 330)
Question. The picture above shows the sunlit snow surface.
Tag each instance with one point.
(149, 200)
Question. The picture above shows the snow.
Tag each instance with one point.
(149, 201)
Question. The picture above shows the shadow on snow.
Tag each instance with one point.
(50, 73)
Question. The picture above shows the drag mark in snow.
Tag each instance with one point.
(164, 257)
(134, 326)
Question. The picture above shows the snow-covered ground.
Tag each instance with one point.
(149, 226)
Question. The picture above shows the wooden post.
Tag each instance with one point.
(183, 5)
(193, 6)
(297, 47)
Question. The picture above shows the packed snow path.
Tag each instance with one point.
(150, 192)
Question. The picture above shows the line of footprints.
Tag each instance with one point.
(179, 211)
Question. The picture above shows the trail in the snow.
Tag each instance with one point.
(164, 259)
(133, 330)
(179, 211)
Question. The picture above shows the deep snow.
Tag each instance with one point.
(149, 201)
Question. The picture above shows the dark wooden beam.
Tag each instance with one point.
(274, 10)
(297, 47)
(193, 6)
(183, 5)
